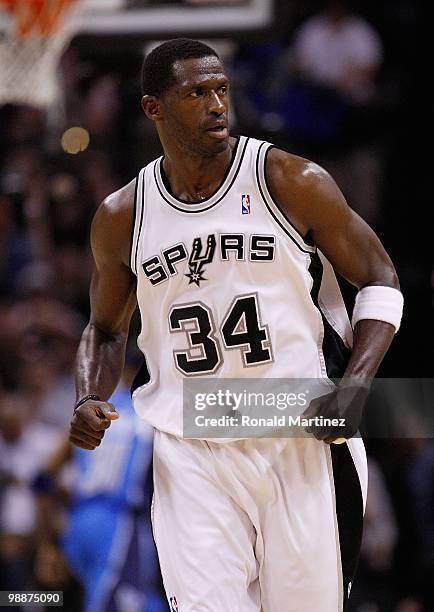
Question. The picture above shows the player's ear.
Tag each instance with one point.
(152, 107)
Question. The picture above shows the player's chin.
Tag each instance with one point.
(215, 145)
(220, 149)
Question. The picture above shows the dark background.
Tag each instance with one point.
(48, 198)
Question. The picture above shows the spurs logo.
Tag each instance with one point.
(198, 260)
(231, 248)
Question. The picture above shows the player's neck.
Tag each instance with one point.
(194, 177)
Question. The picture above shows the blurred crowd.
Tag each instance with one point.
(332, 83)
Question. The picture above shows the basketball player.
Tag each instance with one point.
(228, 246)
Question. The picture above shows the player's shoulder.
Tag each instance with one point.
(297, 176)
(113, 220)
(302, 172)
(119, 204)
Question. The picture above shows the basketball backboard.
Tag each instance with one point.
(152, 17)
(168, 17)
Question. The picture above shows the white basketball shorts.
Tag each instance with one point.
(258, 524)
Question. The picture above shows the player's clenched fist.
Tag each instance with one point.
(89, 422)
(343, 407)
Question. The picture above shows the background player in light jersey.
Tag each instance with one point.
(249, 523)
(107, 542)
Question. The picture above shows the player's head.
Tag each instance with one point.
(185, 92)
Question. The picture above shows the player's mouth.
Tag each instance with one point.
(219, 132)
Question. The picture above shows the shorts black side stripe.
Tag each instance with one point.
(349, 511)
(261, 191)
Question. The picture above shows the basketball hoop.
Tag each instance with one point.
(31, 47)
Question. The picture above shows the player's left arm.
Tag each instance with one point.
(315, 205)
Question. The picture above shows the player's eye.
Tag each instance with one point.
(223, 90)
(197, 93)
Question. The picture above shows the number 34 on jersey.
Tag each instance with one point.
(240, 329)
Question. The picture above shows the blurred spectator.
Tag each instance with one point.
(99, 174)
(14, 249)
(339, 50)
(23, 125)
(25, 445)
(330, 100)
(380, 533)
(402, 460)
(420, 475)
(70, 210)
(39, 337)
(373, 589)
(100, 109)
(258, 107)
(319, 98)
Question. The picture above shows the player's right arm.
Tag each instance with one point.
(101, 353)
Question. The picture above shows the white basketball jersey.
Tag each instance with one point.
(227, 288)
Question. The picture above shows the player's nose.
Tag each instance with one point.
(216, 105)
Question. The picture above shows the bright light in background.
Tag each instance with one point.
(75, 140)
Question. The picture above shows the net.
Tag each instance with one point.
(31, 46)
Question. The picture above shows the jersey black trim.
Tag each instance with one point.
(159, 163)
(133, 225)
(349, 511)
(141, 220)
(268, 206)
(336, 354)
(166, 181)
(142, 376)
